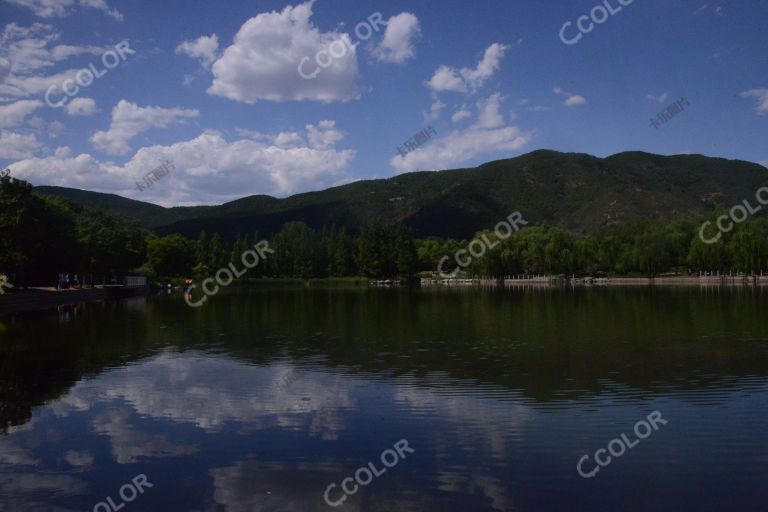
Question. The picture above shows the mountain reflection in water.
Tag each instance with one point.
(262, 398)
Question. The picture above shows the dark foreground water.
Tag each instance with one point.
(262, 399)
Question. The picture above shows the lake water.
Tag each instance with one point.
(263, 398)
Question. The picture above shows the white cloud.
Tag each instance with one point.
(461, 114)
(575, 101)
(571, 100)
(102, 6)
(63, 152)
(661, 99)
(487, 135)
(446, 79)
(129, 444)
(129, 120)
(79, 459)
(55, 129)
(13, 114)
(186, 398)
(5, 68)
(45, 8)
(324, 135)
(762, 99)
(434, 111)
(24, 86)
(263, 62)
(209, 169)
(61, 8)
(37, 123)
(204, 49)
(281, 140)
(27, 52)
(488, 112)
(288, 140)
(251, 134)
(398, 43)
(465, 79)
(31, 48)
(15, 146)
(83, 107)
(12, 454)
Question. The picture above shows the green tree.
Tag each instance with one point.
(171, 256)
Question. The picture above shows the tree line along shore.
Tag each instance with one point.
(45, 236)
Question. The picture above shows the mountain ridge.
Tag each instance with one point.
(576, 191)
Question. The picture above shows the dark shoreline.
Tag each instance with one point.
(722, 280)
(33, 299)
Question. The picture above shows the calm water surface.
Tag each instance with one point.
(263, 397)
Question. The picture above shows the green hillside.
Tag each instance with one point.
(571, 190)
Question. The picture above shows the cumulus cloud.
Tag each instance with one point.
(102, 6)
(55, 129)
(14, 146)
(15, 455)
(324, 135)
(79, 459)
(16, 86)
(13, 114)
(434, 111)
(61, 8)
(461, 114)
(130, 445)
(280, 140)
(575, 101)
(185, 398)
(398, 43)
(288, 140)
(204, 49)
(465, 79)
(488, 112)
(129, 120)
(82, 107)
(263, 61)
(762, 99)
(571, 100)
(209, 169)
(5, 68)
(45, 8)
(488, 134)
(33, 50)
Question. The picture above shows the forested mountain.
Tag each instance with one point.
(629, 213)
(578, 192)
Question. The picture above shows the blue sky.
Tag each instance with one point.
(215, 88)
